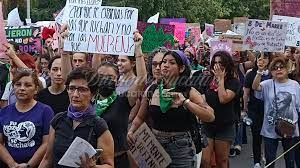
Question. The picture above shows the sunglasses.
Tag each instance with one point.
(278, 67)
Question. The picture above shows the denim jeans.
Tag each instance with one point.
(271, 151)
(239, 134)
(180, 148)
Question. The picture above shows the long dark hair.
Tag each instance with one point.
(227, 63)
(183, 82)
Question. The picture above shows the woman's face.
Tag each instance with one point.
(44, 64)
(288, 54)
(108, 72)
(279, 71)
(25, 89)
(218, 61)
(297, 55)
(170, 68)
(79, 94)
(156, 62)
(124, 64)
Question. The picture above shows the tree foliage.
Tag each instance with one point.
(200, 11)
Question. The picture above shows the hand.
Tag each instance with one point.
(22, 165)
(130, 139)
(218, 72)
(87, 162)
(138, 39)
(64, 33)
(261, 64)
(178, 98)
(9, 50)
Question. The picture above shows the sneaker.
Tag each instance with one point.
(257, 165)
(237, 149)
(232, 152)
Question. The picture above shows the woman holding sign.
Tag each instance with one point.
(80, 121)
(173, 106)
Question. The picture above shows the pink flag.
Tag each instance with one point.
(3, 39)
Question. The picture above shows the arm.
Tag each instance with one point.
(48, 158)
(39, 154)
(225, 95)
(256, 83)
(199, 107)
(139, 83)
(246, 98)
(96, 60)
(65, 56)
(4, 154)
(134, 110)
(13, 56)
(106, 142)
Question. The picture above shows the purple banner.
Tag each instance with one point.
(169, 20)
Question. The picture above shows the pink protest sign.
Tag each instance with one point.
(2, 34)
(193, 33)
(285, 8)
(216, 46)
(179, 31)
(209, 29)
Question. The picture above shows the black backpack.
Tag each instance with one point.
(195, 129)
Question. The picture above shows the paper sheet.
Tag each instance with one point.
(78, 147)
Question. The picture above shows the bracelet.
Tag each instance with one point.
(185, 103)
(259, 72)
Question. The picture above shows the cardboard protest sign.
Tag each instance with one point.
(285, 8)
(156, 35)
(179, 31)
(222, 25)
(216, 45)
(237, 41)
(147, 151)
(193, 33)
(293, 30)
(2, 33)
(100, 29)
(28, 38)
(209, 29)
(169, 20)
(264, 35)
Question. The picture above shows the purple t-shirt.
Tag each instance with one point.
(23, 132)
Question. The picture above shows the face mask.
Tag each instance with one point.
(106, 86)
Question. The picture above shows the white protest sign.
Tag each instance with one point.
(153, 19)
(264, 35)
(147, 151)
(13, 18)
(59, 17)
(293, 30)
(100, 29)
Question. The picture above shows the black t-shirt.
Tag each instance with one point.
(255, 106)
(90, 129)
(116, 116)
(200, 81)
(225, 115)
(58, 103)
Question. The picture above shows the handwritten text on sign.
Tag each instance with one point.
(293, 30)
(147, 151)
(101, 29)
(263, 35)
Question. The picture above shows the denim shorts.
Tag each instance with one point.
(226, 134)
(180, 148)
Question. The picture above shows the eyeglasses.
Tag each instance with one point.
(80, 89)
(278, 67)
(155, 64)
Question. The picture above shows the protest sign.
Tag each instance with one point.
(224, 45)
(209, 29)
(27, 37)
(237, 41)
(13, 18)
(59, 17)
(100, 29)
(147, 151)
(153, 19)
(2, 33)
(264, 35)
(193, 33)
(222, 25)
(285, 8)
(156, 35)
(169, 20)
(293, 30)
(179, 31)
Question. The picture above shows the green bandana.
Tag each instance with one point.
(102, 105)
(165, 100)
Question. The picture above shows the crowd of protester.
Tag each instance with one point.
(47, 101)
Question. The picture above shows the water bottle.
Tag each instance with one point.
(247, 120)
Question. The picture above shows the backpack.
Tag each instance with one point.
(195, 129)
